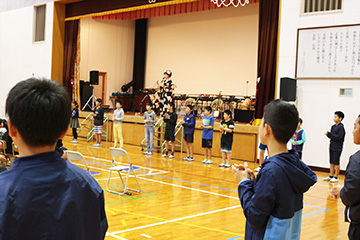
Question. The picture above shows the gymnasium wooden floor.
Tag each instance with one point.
(182, 200)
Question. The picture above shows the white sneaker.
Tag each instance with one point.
(204, 161)
(222, 164)
(334, 180)
(227, 165)
(209, 161)
(186, 159)
(190, 159)
(74, 141)
(257, 169)
(146, 153)
(171, 156)
(164, 155)
(327, 178)
(149, 153)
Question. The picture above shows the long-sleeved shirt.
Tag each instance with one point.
(337, 136)
(350, 193)
(171, 122)
(118, 116)
(189, 124)
(273, 203)
(45, 197)
(75, 112)
(99, 118)
(150, 116)
(299, 138)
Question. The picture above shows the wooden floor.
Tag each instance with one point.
(182, 200)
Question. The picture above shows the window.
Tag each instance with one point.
(315, 6)
(40, 15)
(346, 92)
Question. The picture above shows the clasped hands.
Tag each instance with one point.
(242, 172)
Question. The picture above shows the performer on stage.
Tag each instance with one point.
(165, 91)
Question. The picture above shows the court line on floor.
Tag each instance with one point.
(164, 219)
(175, 220)
(115, 236)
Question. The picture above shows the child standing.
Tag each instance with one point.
(150, 120)
(273, 201)
(170, 119)
(118, 118)
(350, 192)
(337, 136)
(207, 134)
(74, 122)
(298, 139)
(226, 128)
(262, 149)
(98, 122)
(189, 128)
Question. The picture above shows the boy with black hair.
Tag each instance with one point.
(350, 193)
(149, 120)
(337, 137)
(207, 134)
(273, 201)
(226, 128)
(189, 128)
(43, 196)
(170, 118)
(98, 122)
(118, 118)
(298, 139)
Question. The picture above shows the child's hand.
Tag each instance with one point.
(294, 143)
(221, 128)
(241, 172)
(335, 191)
(202, 126)
(326, 133)
(147, 121)
(2, 158)
(182, 122)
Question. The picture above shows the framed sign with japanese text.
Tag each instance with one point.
(328, 52)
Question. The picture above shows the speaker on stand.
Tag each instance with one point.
(94, 80)
(288, 89)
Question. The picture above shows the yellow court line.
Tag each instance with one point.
(179, 222)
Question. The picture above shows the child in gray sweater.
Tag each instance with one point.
(150, 120)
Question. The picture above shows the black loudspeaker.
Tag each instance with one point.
(288, 89)
(86, 92)
(243, 116)
(94, 77)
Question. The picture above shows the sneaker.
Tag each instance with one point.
(190, 159)
(327, 178)
(97, 145)
(114, 146)
(334, 180)
(186, 159)
(257, 169)
(164, 155)
(209, 161)
(146, 153)
(171, 155)
(227, 165)
(204, 161)
(74, 141)
(222, 164)
(149, 153)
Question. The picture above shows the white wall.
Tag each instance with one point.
(107, 46)
(206, 51)
(317, 100)
(19, 56)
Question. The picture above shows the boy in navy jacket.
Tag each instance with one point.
(350, 193)
(189, 128)
(337, 136)
(273, 202)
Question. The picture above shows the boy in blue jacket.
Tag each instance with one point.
(273, 202)
(189, 128)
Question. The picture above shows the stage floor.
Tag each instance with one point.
(188, 200)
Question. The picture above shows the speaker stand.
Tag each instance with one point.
(92, 98)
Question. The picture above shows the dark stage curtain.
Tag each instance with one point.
(70, 45)
(267, 54)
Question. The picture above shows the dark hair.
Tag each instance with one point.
(283, 119)
(118, 102)
(76, 104)
(228, 112)
(190, 106)
(99, 100)
(171, 104)
(3, 121)
(340, 114)
(300, 120)
(149, 104)
(208, 108)
(40, 110)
